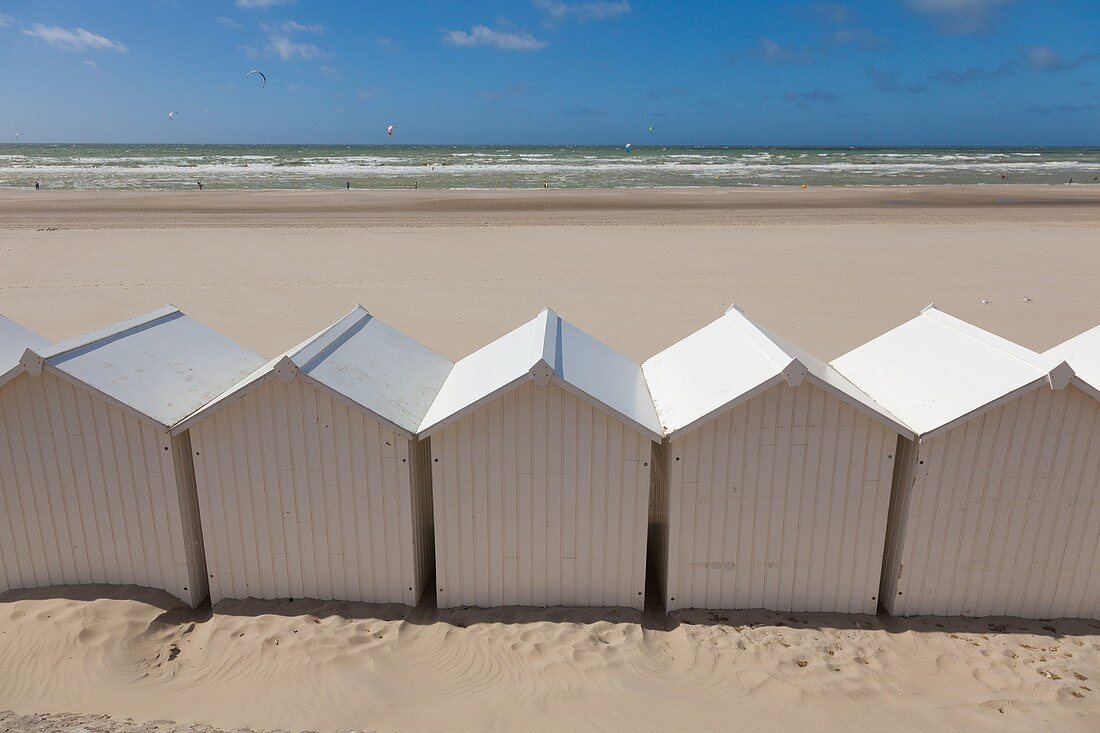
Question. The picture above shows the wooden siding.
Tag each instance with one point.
(540, 499)
(1003, 514)
(780, 503)
(304, 496)
(90, 494)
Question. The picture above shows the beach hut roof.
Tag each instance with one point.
(14, 340)
(546, 349)
(1082, 353)
(730, 361)
(160, 367)
(936, 371)
(362, 362)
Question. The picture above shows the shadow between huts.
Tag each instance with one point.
(653, 618)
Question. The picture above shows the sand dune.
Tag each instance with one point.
(327, 666)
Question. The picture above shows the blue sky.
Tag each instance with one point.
(740, 72)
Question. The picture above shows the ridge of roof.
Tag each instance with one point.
(709, 372)
(537, 351)
(358, 379)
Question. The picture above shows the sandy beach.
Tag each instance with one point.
(827, 268)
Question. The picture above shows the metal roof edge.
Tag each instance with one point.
(341, 397)
(62, 374)
(314, 348)
(546, 348)
(12, 373)
(114, 330)
(654, 435)
(677, 433)
(426, 430)
(759, 338)
(979, 411)
(988, 338)
(252, 382)
(871, 408)
(1088, 388)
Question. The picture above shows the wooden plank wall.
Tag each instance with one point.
(540, 499)
(1003, 516)
(780, 503)
(88, 494)
(304, 496)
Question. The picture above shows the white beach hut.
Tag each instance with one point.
(95, 488)
(310, 478)
(775, 476)
(542, 446)
(993, 508)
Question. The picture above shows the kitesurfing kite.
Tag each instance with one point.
(18, 135)
(651, 129)
(257, 71)
(172, 116)
(389, 130)
(629, 147)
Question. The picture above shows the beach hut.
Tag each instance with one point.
(542, 448)
(311, 481)
(94, 486)
(993, 509)
(775, 479)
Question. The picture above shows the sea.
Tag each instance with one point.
(169, 167)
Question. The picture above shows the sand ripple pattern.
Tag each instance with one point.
(310, 665)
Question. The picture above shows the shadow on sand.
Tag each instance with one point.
(653, 618)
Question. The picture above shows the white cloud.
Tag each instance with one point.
(959, 17)
(229, 23)
(775, 53)
(6, 20)
(1044, 58)
(261, 4)
(73, 39)
(288, 50)
(482, 35)
(292, 26)
(329, 72)
(584, 11)
(385, 42)
(90, 64)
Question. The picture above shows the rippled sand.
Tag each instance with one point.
(327, 666)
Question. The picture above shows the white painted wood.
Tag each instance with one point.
(1082, 353)
(936, 371)
(1001, 514)
(540, 499)
(304, 495)
(779, 503)
(89, 493)
(543, 349)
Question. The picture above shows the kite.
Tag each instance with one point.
(257, 71)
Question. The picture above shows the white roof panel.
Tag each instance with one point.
(731, 360)
(14, 340)
(936, 370)
(364, 362)
(162, 366)
(1082, 352)
(547, 348)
